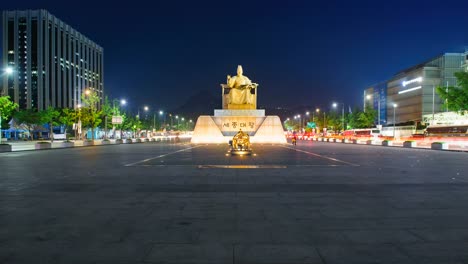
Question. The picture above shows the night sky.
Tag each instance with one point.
(300, 52)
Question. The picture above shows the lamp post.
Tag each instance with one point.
(78, 124)
(160, 114)
(394, 108)
(324, 124)
(8, 71)
(300, 120)
(433, 102)
(123, 102)
(342, 113)
(313, 114)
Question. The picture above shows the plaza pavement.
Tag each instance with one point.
(160, 202)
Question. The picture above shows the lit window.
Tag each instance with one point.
(11, 52)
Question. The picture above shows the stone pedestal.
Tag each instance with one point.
(42, 145)
(67, 144)
(225, 123)
(5, 148)
(88, 143)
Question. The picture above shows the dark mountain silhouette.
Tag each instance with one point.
(202, 103)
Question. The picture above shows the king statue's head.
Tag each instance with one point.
(239, 70)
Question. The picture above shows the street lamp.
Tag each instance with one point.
(313, 116)
(8, 71)
(123, 102)
(342, 113)
(162, 113)
(394, 108)
(300, 120)
(78, 125)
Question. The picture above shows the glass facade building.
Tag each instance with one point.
(413, 89)
(53, 63)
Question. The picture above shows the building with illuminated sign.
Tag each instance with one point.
(52, 62)
(413, 90)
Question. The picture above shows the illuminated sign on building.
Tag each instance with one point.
(419, 79)
(410, 89)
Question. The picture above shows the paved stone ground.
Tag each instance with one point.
(180, 203)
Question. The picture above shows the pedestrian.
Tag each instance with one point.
(294, 140)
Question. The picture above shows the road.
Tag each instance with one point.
(162, 202)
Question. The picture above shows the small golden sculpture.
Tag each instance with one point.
(241, 141)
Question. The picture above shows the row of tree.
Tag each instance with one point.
(455, 98)
(334, 120)
(90, 116)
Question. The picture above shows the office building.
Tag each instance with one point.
(53, 63)
(413, 90)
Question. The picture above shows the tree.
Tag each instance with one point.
(367, 119)
(68, 117)
(90, 114)
(51, 117)
(7, 108)
(334, 121)
(30, 118)
(456, 98)
(353, 118)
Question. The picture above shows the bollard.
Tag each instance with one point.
(409, 144)
(387, 143)
(439, 146)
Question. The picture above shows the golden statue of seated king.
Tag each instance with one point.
(239, 92)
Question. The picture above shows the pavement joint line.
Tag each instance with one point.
(217, 166)
(323, 157)
(242, 166)
(160, 156)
